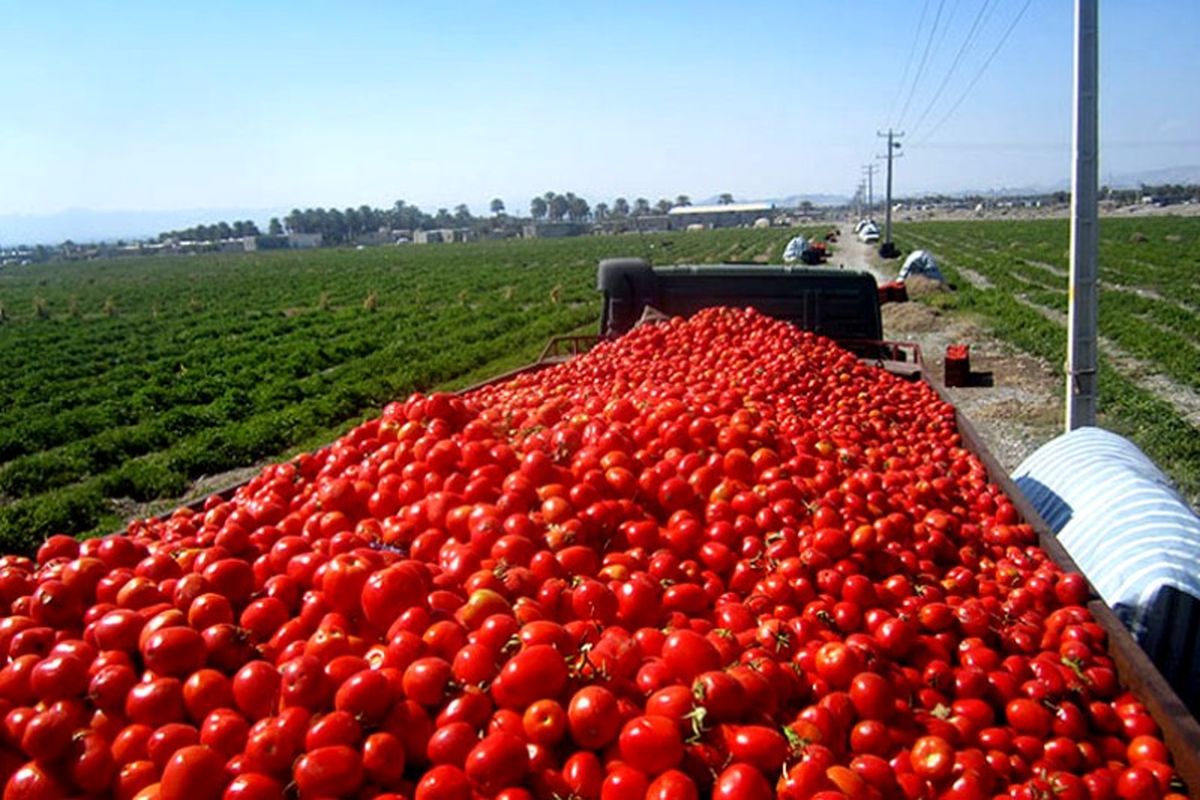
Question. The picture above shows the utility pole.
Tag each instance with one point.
(869, 171)
(1082, 311)
(887, 249)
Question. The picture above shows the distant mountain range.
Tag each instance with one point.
(83, 225)
(1186, 175)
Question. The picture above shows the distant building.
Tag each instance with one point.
(557, 229)
(732, 215)
(381, 236)
(443, 236)
(650, 223)
(303, 241)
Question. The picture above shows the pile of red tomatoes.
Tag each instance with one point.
(717, 557)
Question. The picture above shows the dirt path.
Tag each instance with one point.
(1021, 411)
(850, 253)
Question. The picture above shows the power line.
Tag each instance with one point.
(1055, 145)
(924, 57)
(937, 46)
(912, 51)
(967, 42)
(979, 74)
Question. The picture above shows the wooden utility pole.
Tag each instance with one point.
(1082, 311)
(887, 249)
(869, 171)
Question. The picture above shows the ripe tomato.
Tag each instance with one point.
(545, 722)
(196, 771)
(837, 663)
(334, 771)
(651, 744)
(672, 785)
(535, 672)
(593, 717)
(390, 591)
(741, 782)
(932, 757)
(687, 654)
(443, 783)
(499, 760)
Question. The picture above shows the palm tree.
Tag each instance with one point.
(577, 208)
(600, 211)
(621, 207)
(662, 206)
(641, 207)
(497, 207)
(726, 199)
(683, 200)
(538, 208)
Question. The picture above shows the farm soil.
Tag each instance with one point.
(129, 510)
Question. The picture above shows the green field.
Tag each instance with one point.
(129, 380)
(1012, 276)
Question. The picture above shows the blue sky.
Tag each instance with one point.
(212, 104)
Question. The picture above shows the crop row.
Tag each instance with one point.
(206, 364)
(1022, 296)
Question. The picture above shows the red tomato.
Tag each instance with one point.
(741, 782)
(672, 785)
(545, 722)
(499, 760)
(443, 783)
(593, 717)
(335, 771)
(533, 673)
(932, 757)
(687, 654)
(384, 759)
(196, 772)
(651, 744)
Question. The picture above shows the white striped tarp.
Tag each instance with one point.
(1136, 540)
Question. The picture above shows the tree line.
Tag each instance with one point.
(556, 207)
(343, 226)
(216, 231)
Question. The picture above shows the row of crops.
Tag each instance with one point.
(1013, 276)
(132, 379)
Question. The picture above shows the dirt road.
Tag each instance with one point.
(1018, 413)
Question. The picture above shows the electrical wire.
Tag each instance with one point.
(912, 51)
(982, 69)
(946, 25)
(966, 44)
(921, 67)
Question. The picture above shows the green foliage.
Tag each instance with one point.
(216, 362)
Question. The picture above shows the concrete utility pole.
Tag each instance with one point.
(869, 171)
(1082, 312)
(887, 249)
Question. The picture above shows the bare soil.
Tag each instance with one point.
(128, 509)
